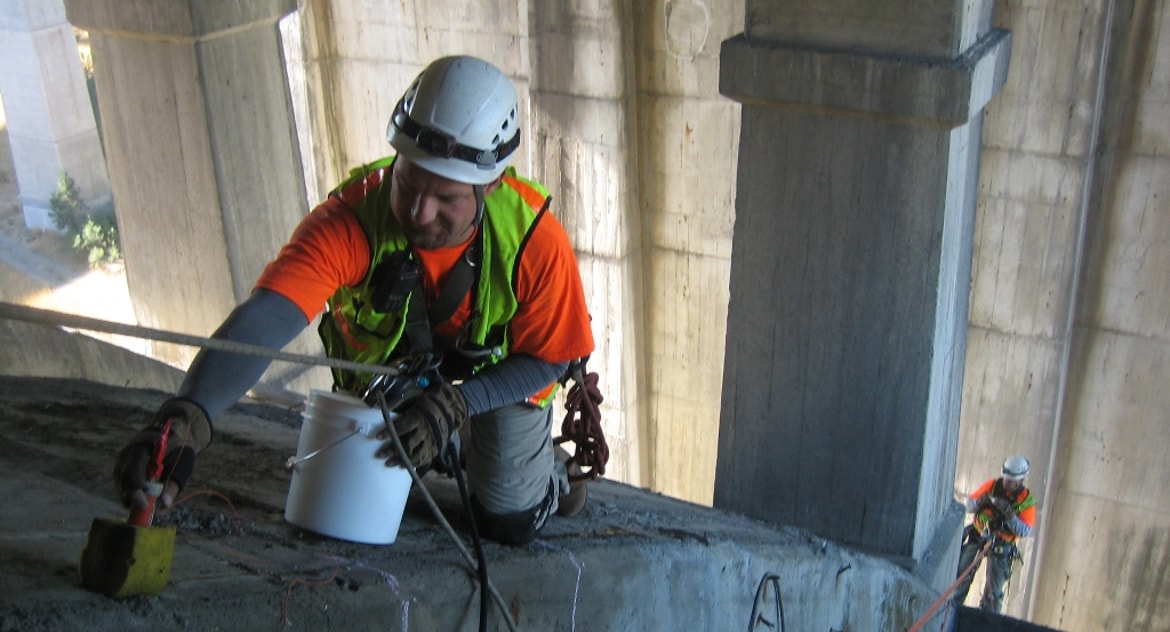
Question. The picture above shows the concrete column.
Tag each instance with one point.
(851, 263)
(686, 141)
(581, 130)
(51, 126)
(204, 160)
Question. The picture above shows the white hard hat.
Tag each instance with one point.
(1016, 467)
(458, 119)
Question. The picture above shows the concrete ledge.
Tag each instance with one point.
(633, 560)
(165, 19)
(939, 564)
(949, 92)
(31, 349)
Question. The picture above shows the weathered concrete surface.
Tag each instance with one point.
(31, 349)
(202, 148)
(633, 560)
(1036, 181)
(580, 105)
(849, 285)
(684, 136)
(939, 30)
(1069, 344)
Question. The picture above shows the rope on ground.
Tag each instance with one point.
(24, 313)
(285, 623)
(918, 625)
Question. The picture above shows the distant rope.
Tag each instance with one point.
(918, 625)
(12, 311)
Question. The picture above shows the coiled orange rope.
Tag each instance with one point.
(582, 426)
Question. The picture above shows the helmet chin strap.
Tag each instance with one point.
(478, 188)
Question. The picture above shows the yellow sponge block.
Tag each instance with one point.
(122, 560)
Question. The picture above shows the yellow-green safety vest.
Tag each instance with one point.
(353, 330)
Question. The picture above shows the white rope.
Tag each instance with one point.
(48, 317)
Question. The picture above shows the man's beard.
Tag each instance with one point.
(427, 239)
(431, 238)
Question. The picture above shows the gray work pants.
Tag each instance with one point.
(512, 470)
(999, 571)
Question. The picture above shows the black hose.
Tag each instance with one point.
(757, 616)
(450, 457)
(481, 560)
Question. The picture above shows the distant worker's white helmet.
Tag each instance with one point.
(1016, 468)
(458, 119)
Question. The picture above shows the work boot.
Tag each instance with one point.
(572, 503)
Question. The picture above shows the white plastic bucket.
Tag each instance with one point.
(339, 488)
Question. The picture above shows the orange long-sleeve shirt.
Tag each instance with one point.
(329, 250)
(1023, 500)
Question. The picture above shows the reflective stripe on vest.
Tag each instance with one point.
(1021, 500)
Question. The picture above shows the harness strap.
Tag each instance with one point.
(458, 282)
(417, 330)
(419, 319)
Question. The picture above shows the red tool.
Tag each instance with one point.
(122, 559)
(154, 471)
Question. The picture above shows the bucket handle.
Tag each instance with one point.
(294, 461)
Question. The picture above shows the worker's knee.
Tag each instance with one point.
(515, 528)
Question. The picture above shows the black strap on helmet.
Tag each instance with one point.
(442, 145)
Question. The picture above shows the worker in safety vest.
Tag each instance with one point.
(439, 251)
(1004, 512)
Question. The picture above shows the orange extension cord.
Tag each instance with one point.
(917, 627)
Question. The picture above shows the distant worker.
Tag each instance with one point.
(1004, 512)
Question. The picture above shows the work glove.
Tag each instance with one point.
(190, 433)
(426, 426)
(1004, 507)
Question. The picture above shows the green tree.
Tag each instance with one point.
(93, 233)
(66, 208)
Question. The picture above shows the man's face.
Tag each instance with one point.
(435, 212)
(1012, 485)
